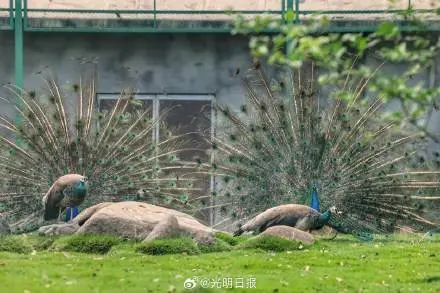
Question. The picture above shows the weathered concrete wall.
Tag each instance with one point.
(151, 63)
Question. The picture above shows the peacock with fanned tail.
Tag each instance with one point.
(114, 149)
(286, 145)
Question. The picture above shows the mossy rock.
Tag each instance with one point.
(218, 246)
(169, 246)
(41, 243)
(270, 243)
(15, 243)
(231, 240)
(97, 244)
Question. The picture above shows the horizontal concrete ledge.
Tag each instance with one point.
(182, 25)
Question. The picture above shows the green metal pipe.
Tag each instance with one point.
(296, 11)
(186, 12)
(11, 14)
(18, 57)
(155, 15)
(25, 15)
(86, 11)
(133, 30)
(18, 42)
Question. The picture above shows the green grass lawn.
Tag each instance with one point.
(340, 265)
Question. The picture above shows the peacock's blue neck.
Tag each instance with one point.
(80, 189)
(315, 200)
(324, 218)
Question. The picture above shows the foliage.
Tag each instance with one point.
(96, 244)
(228, 238)
(270, 243)
(169, 246)
(309, 40)
(219, 246)
(114, 149)
(16, 244)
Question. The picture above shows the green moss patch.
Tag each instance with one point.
(169, 246)
(270, 243)
(98, 244)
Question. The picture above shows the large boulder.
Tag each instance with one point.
(326, 232)
(4, 226)
(289, 233)
(134, 220)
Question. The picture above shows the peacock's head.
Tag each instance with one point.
(83, 182)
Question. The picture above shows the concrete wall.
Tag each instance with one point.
(173, 64)
(151, 63)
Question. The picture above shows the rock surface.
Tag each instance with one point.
(135, 220)
(289, 233)
(4, 226)
(325, 232)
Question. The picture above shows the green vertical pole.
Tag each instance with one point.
(11, 14)
(18, 30)
(296, 11)
(154, 15)
(18, 55)
(283, 9)
(289, 8)
(289, 5)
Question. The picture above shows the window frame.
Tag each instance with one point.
(156, 98)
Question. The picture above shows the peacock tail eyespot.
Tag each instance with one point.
(32, 94)
(223, 210)
(225, 112)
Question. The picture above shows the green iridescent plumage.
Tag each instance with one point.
(286, 138)
(67, 191)
(114, 148)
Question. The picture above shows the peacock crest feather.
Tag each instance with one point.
(114, 149)
(287, 145)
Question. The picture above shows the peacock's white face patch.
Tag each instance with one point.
(84, 181)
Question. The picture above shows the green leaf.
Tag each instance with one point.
(289, 16)
(387, 30)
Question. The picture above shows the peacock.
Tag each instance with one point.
(299, 216)
(61, 131)
(288, 144)
(68, 191)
